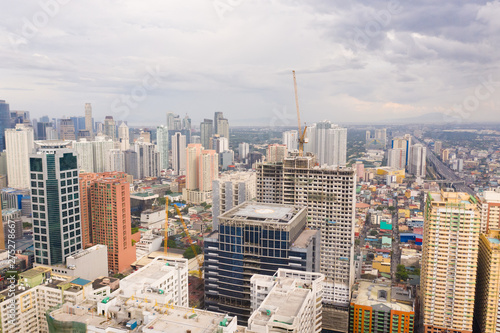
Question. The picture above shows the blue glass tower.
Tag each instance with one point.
(4, 122)
(255, 238)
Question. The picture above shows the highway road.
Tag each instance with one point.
(444, 171)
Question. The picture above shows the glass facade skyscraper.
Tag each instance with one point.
(255, 239)
(4, 122)
(55, 203)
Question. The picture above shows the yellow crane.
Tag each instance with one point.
(301, 134)
(200, 263)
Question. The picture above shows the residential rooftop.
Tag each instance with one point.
(371, 294)
(262, 212)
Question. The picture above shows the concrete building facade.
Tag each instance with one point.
(19, 144)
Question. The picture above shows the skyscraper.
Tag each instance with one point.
(124, 137)
(179, 153)
(110, 127)
(106, 204)
(449, 260)
(202, 168)
(396, 158)
(276, 153)
(487, 305)
(4, 122)
(231, 190)
(162, 141)
(489, 206)
(88, 119)
(67, 129)
(131, 164)
(291, 140)
(193, 152)
(403, 143)
(217, 117)
(115, 160)
(206, 132)
(19, 144)
(255, 238)
(417, 164)
(223, 128)
(329, 195)
(148, 160)
(243, 151)
(208, 169)
(55, 201)
(438, 146)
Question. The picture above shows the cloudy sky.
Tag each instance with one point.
(356, 61)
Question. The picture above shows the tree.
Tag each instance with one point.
(357, 242)
(189, 254)
(373, 232)
(162, 201)
(401, 273)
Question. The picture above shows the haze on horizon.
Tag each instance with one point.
(365, 61)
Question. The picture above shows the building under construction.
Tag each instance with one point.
(328, 193)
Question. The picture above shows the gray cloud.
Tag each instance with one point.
(353, 61)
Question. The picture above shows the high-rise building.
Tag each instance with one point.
(329, 195)
(115, 160)
(489, 206)
(396, 158)
(223, 128)
(186, 123)
(217, 117)
(179, 153)
(110, 127)
(243, 151)
(403, 143)
(4, 122)
(255, 238)
(208, 169)
(438, 146)
(417, 163)
(380, 308)
(328, 142)
(487, 303)
(162, 141)
(445, 155)
(170, 121)
(276, 153)
(42, 127)
(450, 251)
(106, 205)
(148, 160)
(131, 164)
(291, 140)
(219, 143)
(85, 152)
(206, 132)
(88, 119)
(55, 203)
(124, 136)
(226, 159)
(67, 129)
(360, 170)
(193, 152)
(19, 145)
(231, 190)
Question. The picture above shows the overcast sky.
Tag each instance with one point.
(356, 61)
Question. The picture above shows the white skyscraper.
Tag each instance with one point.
(101, 145)
(19, 143)
(88, 118)
(179, 153)
(124, 136)
(243, 150)
(336, 149)
(291, 140)
(162, 141)
(396, 158)
(418, 160)
(148, 159)
(115, 160)
(85, 152)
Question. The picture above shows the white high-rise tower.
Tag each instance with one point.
(19, 144)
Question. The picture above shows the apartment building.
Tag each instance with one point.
(487, 307)
(489, 206)
(231, 190)
(449, 261)
(290, 300)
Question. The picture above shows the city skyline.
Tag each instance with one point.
(371, 61)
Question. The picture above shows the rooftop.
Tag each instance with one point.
(370, 294)
(304, 238)
(252, 211)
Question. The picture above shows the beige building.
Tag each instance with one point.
(489, 205)
(450, 250)
(276, 153)
(487, 309)
(202, 168)
(19, 143)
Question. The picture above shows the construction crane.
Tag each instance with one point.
(165, 242)
(301, 134)
(200, 263)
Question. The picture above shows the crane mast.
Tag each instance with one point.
(301, 134)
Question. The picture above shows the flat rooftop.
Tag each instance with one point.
(491, 196)
(304, 238)
(252, 211)
(371, 294)
(155, 270)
